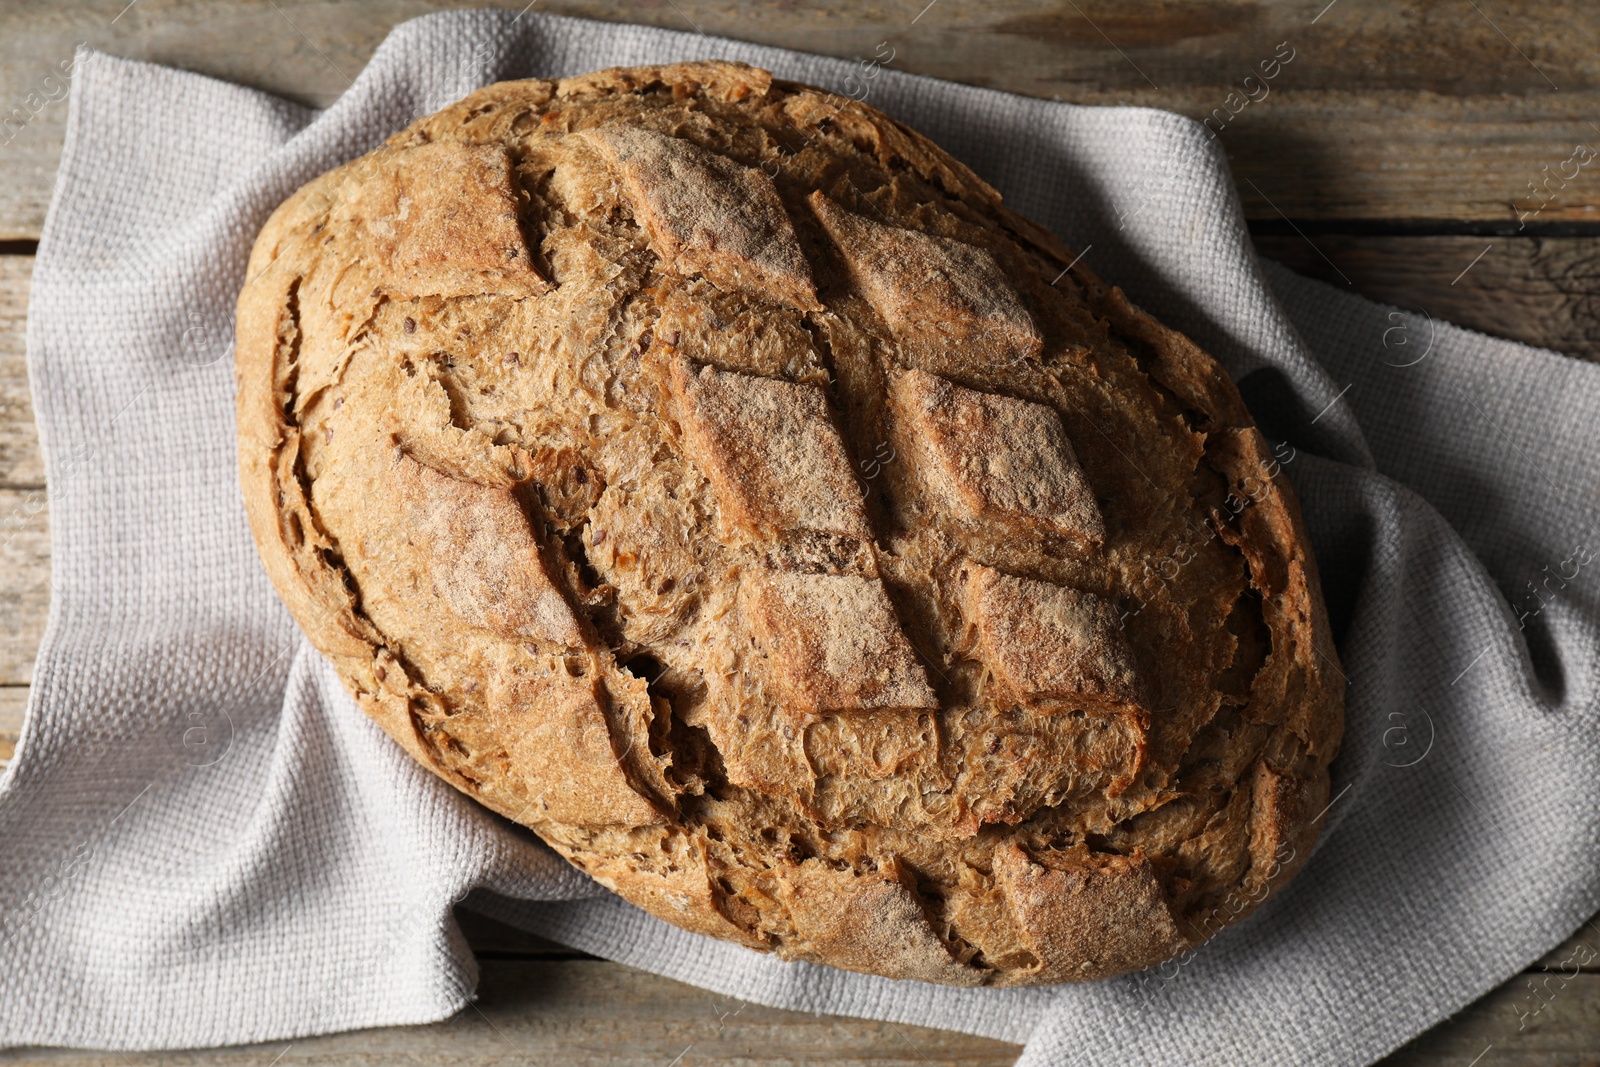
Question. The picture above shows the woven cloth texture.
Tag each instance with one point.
(206, 843)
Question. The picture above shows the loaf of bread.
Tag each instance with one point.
(709, 473)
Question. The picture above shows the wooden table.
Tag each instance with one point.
(1421, 155)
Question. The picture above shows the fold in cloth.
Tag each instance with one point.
(207, 843)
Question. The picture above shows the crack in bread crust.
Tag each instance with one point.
(714, 476)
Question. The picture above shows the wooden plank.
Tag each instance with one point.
(608, 1013)
(1531, 1021)
(1579, 952)
(1383, 112)
(1535, 290)
(13, 701)
(21, 466)
(591, 1012)
(1529, 289)
(24, 580)
(583, 1012)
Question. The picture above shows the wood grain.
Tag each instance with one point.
(13, 701)
(584, 1012)
(1579, 952)
(1432, 110)
(24, 580)
(1531, 1021)
(1542, 291)
(20, 464)
(1427, 115)
(587, 1012)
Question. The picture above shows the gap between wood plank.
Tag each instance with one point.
(1286, 227)
(1334, 111)
(1391, 266)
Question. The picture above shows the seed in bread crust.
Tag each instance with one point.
(730, 488)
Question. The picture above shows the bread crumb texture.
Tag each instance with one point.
(709, 473)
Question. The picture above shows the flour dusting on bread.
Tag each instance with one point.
(712, 475)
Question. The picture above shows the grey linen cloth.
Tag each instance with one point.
(206, 843)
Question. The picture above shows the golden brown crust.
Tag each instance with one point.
(1050, 644)
(831, 642)
(1088, 916)
(443, 218)
(708, 215)
(479, 555)
(769, 447)
(939, 296)
(996, 459)
(711, 474)
(871, 922)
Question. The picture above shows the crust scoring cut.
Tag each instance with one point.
(1084, 917)
(832, 642)
(1050, 644)
(714, 476)
(998, 458)
(770, 450)
(867, 923)
(543, 730)
(938, 295)
(707, 214)
(442, 218)
(482, 555)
